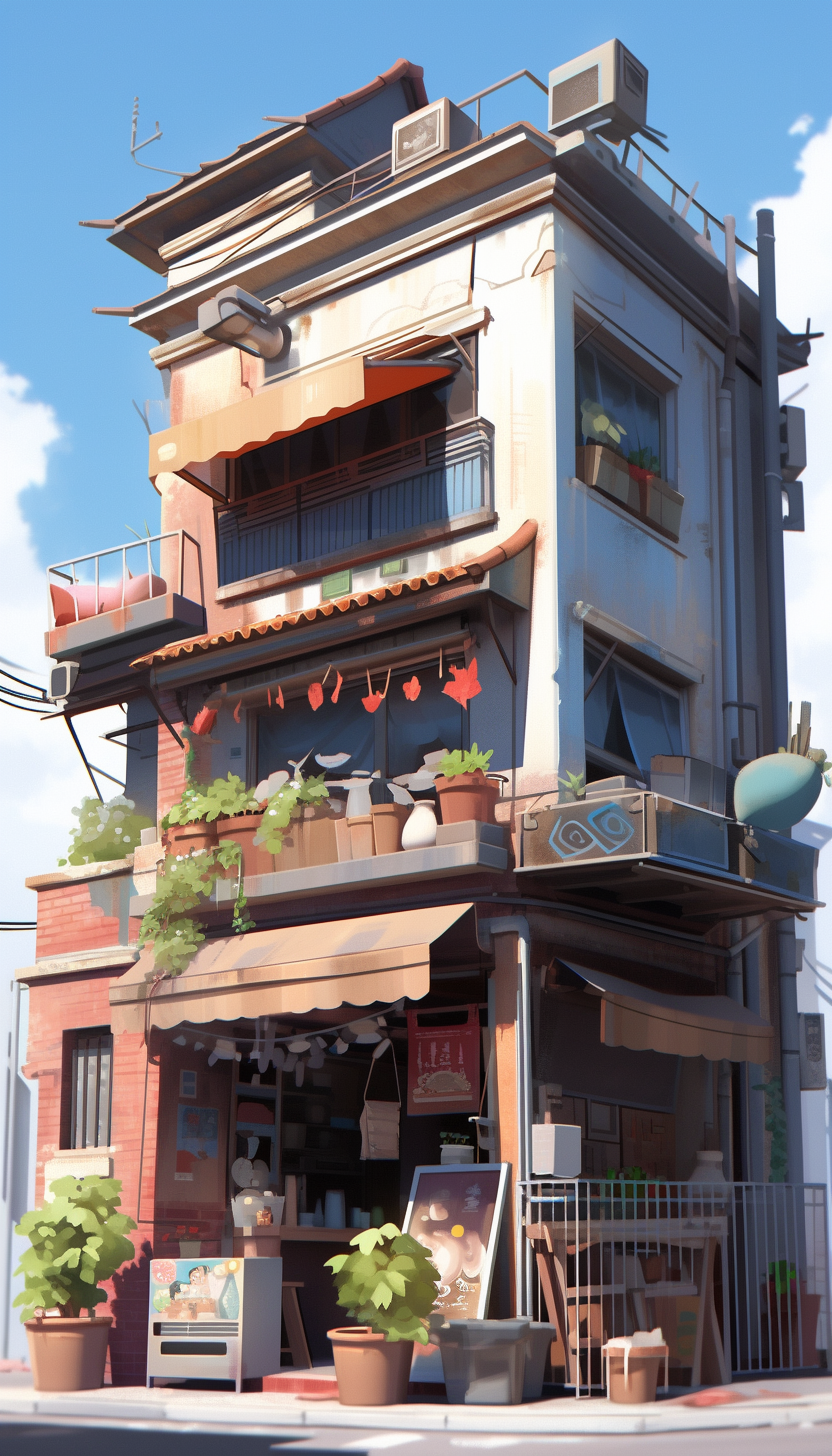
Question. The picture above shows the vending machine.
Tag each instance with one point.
(214, 1319)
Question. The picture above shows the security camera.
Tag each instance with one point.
(238, 318)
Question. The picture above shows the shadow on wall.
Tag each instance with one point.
(128, 1336)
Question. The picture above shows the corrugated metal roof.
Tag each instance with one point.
(474, 569)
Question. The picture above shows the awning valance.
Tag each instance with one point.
(280, 409)
(714, 1027)
(288, 972)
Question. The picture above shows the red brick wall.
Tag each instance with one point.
(171, 760)
(68, 921)
(63, 1004)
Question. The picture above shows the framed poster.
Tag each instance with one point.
(455, 1210)
(443, 1065)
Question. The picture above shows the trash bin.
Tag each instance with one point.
(537, 1353)
(484, 1361)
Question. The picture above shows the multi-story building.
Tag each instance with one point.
(482, 410)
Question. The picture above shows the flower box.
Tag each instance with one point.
(639, 491)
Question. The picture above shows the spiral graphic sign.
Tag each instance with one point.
(607, 828)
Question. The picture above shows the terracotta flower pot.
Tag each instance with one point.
(371, 1370)
(642, 1378)
(68, 1354)
(388, 822)
(317, 832)
(361, 835)
(183, 838)
(468, 796)
(242, 828)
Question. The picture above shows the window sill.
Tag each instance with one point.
(646, 497)
(602, 499)
(286, 577)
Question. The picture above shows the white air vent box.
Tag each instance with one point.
(792, 441)
(556, 1150)
(440, 127)
(605, 85)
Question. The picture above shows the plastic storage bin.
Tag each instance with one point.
(484, 1361)
(537, 1353)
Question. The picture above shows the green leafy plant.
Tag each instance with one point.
(464, 761)
(455, 1139)
(105, 831)
(182, 884)
(597, 424)
(388, 1283)
(644, 459)
(775, 1123)
(574, 785)
(228, 796)
(287, 804)
(76, 1242)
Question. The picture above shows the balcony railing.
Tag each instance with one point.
(438, 478)
(736, 1275)
(125, 590)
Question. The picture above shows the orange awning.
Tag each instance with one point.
(281, 409)
(288, 972)
(714, 1027)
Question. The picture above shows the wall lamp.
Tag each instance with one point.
(238, 318)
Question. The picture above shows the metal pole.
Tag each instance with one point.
(773, 482)
(790, 1049)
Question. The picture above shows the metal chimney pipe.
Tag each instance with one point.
(773, 481)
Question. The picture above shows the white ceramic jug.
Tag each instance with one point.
(420, 830)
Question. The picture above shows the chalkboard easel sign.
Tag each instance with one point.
(455, 1210)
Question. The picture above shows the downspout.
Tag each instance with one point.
(518, 925)
(776, 581)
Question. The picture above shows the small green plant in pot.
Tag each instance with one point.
(463, 787)
(77, 1241)
(389, 1285)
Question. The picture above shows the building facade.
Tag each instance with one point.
(484, 414)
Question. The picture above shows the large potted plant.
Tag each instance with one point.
(76, 1242)
(223, 809)
(464, 789)
(779, 789)
(105, 831)
(389, 1285)
(295, 829)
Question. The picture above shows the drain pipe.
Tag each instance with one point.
(786, 949)
(518, 925)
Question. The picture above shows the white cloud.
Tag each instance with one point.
(802, 126)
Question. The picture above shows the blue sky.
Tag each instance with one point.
(726, 83)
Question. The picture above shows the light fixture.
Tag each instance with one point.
(238, 318)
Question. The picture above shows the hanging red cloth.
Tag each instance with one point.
(237, 711)
(412, 689)
(465, 685)
(315, 695)
(204, 721)
(337, 691)
(374, 700)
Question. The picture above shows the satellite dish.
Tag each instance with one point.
(241, 1172)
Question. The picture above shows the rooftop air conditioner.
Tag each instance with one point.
(440, 127)
(604, 90)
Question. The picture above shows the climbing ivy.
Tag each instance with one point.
(772, 1091)
(182, 884)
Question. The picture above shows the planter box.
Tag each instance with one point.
(644, 495)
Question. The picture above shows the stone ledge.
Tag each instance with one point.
(72, 874)
(104, 958)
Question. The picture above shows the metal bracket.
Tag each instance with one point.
(794, 521)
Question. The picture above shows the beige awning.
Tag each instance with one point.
(287, 972)
(280, 409)
(714, 1027)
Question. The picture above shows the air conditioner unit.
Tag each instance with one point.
(440, 127)
(605, 90)
(62, 680)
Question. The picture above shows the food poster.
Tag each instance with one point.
(195, 1289)
(455, 1212)
(443, 1065)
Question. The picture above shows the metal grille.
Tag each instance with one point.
(204, 1328)
(736, 1275)
(92, 1061)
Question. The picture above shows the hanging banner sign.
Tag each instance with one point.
(443, 1065)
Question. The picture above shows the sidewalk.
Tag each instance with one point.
(799, 1402)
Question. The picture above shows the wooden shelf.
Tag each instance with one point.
(318, 1235)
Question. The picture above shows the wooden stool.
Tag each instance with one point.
(295, 1333)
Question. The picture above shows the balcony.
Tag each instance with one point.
(148, 589)
(422, 491)
(641, 853)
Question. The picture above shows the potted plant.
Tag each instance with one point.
(455, 1147)
(389, 1285)
(105, 831)
(779, 789)
(76, 1242)
(285, 830)
(464, 790)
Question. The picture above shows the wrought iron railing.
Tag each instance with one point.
(439, 477)
(736, 1275)
(121, 576)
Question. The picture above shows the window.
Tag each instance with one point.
(394, 739)
(617, 410)
(91, 1088)
(382, 426)
(628, 717)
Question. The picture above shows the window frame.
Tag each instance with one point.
(76, 1096)
(601, 756)
(597, 341)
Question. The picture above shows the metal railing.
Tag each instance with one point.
(139, 570)
(736, 1275)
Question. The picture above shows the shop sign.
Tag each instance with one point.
(455, 1212)
(443, 1066)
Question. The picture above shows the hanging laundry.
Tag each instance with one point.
(269, 695)
(237, 711)
(412, 689)
(315, 695)
(465, 685)
(374, 700)
(279, 698)
(204, 721)
(334, 697)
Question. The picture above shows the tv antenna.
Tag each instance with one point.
(137, 146)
